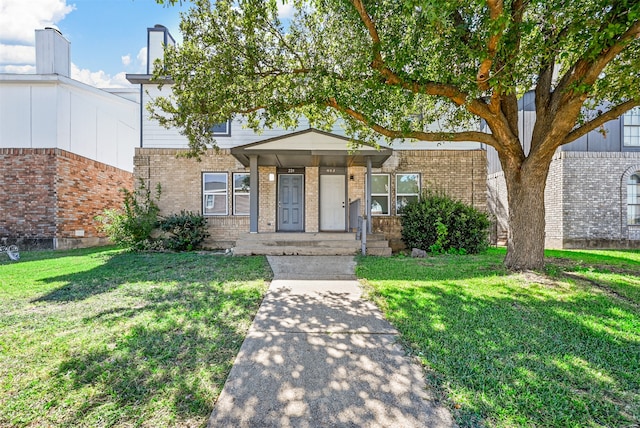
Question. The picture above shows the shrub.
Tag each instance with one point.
(440, 224)
(131, 227)
(186, 231)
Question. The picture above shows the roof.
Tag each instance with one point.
(311, 147)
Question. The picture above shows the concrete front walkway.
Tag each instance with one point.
(318, 355)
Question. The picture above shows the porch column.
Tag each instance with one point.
(368, 195)
(253, 194)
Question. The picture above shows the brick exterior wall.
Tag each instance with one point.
(595, 201)
(180, 179)
(462, 174)
(49, 197)
(553, 205)
(497, 206)
(85, 188)
(311, 199)
(28, 197)
(267, 202)
(585, 200)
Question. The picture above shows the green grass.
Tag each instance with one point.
(104, 338)
(559, 348)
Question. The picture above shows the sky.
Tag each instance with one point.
(108, 37)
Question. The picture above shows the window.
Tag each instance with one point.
(407, 190)
(380, 194)
(222, 129)
(632, 127)
(241, 191)
(633, 199)
(214, 192)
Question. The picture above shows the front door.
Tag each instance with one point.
(290, 202)
(332, 203)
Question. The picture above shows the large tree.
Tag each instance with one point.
(395, 68)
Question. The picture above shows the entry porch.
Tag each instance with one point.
(311, 244)
(309, 182)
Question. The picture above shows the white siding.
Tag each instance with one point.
(42, 134)
(15, 116)
(156, 136)
(57, 112)
(52, 53)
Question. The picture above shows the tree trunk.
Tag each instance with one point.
(525, 190)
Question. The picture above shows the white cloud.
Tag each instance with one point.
(19, 18)
(285, 9)
(17, 54)
(142, 58)
(18, 69)
(126, 60)
(99, 79)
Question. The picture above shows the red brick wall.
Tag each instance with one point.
(47, 196)
(27, 194)
(85, 188)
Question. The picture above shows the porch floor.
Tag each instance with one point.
(308, 244)
(302, 244)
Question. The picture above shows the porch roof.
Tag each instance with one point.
(310, 147)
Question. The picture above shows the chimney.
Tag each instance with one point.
(52, 53)
(157, 38)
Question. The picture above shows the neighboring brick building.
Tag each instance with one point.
(592, 198)
(65, 150)
(304, 181)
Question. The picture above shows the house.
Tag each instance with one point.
(294, 191)
(592, 197)
(66, 149)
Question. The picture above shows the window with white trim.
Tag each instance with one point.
(633, 199)
(631, 133)
(407, 189)
(380, 194)
(214, 193)
(222, 129)
(241, 192)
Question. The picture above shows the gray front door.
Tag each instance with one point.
(290, 202)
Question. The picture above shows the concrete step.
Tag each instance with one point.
(279, 236)
(375, 237)
(309, 244)
(294, 251)
(377, 244)
(293, 243)
(379, 251)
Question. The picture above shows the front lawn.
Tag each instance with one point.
(99, 337)
(559, 348)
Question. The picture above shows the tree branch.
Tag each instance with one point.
(496, 8)
(451, 92)
(480, 137)
(613, 113)
(608, 54)
(586, 71)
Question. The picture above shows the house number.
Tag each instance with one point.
(291, 170)
(330, 170)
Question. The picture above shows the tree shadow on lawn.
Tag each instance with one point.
(440, 267)
(169, 365)
(522, 358)
(166, 330)
(124, 268)
(630, 260)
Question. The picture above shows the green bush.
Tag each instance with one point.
(440, 224)
(131, 227)
(186, 231)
